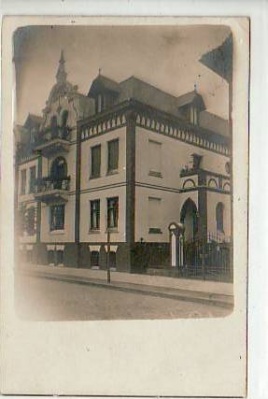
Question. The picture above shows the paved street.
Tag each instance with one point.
(45, 299)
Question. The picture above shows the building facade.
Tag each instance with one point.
(128, 159)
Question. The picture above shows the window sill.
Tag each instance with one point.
(155, 231)
(57, 232)
(112, 172)
(94, 231)
(112, 230)
(155, 174)
(94, 177)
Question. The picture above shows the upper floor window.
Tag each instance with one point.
(95, 215)
(112, 212)
(154, 158)
(113, 155)
(23, 182)
(219, 216)
(95, 161)
(99, 103)
(32, 179)
(54, 126)
(194, 116)
(57, 213)
(154, 215)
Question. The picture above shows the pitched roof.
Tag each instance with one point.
(103, 83)
(190, 98)
(32, 121)
(142, 91)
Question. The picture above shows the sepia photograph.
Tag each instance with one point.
(127, 223)
(123, 172)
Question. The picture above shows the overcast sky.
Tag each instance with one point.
(166, 57)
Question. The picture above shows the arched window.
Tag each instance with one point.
(219, 216)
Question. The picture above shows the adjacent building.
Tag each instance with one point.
(128, 159)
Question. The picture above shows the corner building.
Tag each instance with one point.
(127, 158)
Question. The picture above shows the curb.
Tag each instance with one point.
(220, 300)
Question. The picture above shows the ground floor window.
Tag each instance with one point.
(112, 260)
(94, 258)
(57, 217)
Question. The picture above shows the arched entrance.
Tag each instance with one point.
(189, 218)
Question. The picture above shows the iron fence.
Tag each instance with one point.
(207, 258)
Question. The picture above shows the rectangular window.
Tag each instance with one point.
(112, 212)
(154, 215)
(113, 155)
(154, 158)
(95, 161)
(95, 215)
(99, 103)
(95, 258)
(57, 217)
(23, 182)
(32, 179)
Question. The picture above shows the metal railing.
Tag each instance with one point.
(46, 184)
(208, 258)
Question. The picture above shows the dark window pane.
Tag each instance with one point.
(95, 214)
(113, 155)
(30, 220)
(219, 216)
(95, 256)
(32, 179)
(23, 182)
(57, 217)
(95, 161)
(112, 212)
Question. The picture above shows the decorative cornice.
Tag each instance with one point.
(154, 120)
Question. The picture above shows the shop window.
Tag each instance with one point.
(95, 215)
(113, 155)
(57, 217)
(112, 212)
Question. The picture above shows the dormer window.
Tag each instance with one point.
(99, 103)
(194, 115)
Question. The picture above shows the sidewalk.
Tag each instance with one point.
(208, 292)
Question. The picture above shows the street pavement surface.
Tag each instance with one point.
(38, 298)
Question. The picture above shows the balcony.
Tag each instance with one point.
(51, 190)
(51, 141)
